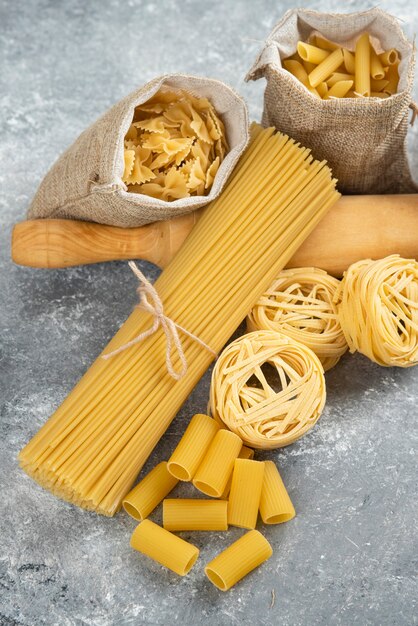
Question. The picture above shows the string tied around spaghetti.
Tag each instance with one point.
(150, 301)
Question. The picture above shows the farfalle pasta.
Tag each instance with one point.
(174, 146)
(166, 149)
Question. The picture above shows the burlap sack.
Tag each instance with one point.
(364, 141)
(85, 183)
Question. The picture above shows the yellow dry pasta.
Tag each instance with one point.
(339, 90)
(362, 65)
(192, 447)
(148, 494)
(213, 473)
(93, 447)
(181, 514)
(311, 54)
(165, 131)
(164, 547)
(392, 76)
(390, 57)
(245, 453)
(275, 504)
(349, 61)
(378, 85)
(238, 560)
(378, 310)
(244, 498)
(261, 415)
(336, 77)
(377, 71)
(300, 304)
(324, 70)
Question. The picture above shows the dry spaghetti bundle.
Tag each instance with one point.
(378, 310)
(300, 304)
(93, 447)
(267, 411)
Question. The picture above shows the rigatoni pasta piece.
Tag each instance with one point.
(377, 71)
(246, 453)
(275, 504)
(312, 54)
(187, 514)
(192, 447)
(244, 499)
(390, 57)
(324, 70)
(362, 65)
(242, 556)
(349, 61)
(212, 475)
(339, 89)
(147, 494)
(164, 547)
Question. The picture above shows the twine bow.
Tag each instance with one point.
(150, 301)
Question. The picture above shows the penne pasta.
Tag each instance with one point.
(336, 77)
(312, 54)
(326, 68)
(242, 556)
(390, 57)
(308, 66)
(164, 547)
(192, 447)
(325, 44)
(349, 61)
(322, 89)
(275, 504)
(179, 514)
(362, 65)
(245, 453)
(377, 71)
(339, 89)
(147, 494)
(379, 94)
(213, 473)
(297, 69)
(392, 76)
(244, 499)
(378, 85)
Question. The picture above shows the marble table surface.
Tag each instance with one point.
(350, 555)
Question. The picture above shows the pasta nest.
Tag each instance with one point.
(300, 304)
(174, 146)
(268, 389)
(378, 310)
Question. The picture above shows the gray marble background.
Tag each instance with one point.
(350, 556)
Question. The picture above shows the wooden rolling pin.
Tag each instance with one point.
(357, 227)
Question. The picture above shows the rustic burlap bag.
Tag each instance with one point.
(85, 183)
(363, 140)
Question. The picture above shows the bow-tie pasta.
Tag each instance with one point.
(174, 146)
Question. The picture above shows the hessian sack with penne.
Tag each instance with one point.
(349, 99)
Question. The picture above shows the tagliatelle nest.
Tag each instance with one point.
(174, 146)
(268, 389)
(300, 304)
(378, 310)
